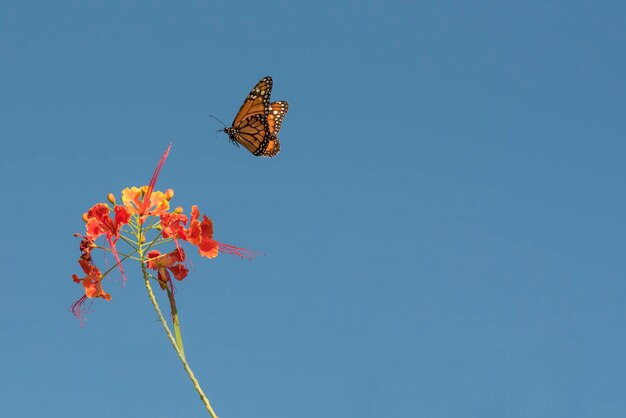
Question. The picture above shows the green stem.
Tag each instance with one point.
(116, 263)
(177, 333)
(170, 337)
(145, 250)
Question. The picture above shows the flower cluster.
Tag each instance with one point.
(144, 213)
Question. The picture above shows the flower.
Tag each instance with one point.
(92, 282)
(165, 263)
(200, 234)
(86, 245)
(128, 222)
(99, 222)
(173, 226)
(138, 202)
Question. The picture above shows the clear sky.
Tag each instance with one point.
(443, 230)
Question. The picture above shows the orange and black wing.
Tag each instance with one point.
(257, 102)
(252, 132)
(275, 116)
(273, 147)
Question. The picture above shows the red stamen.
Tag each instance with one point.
(79, 309)
(117, 260)
(241, 252)
(153, 180)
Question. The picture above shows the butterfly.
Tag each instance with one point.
(258, 121)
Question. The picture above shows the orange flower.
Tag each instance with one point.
(92, 282)
(99, 221)
(155, 204)
(166, 263)
(86, 245)
(173, 226)
(200, 234)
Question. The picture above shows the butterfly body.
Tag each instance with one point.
(258, 121)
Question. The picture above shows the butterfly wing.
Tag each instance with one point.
(275, 116)
(253, 133)
(257, 101)
(273, 147)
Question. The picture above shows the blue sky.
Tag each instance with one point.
(443, 230)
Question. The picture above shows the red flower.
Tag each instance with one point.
(200, 234)
(92, 283)
(138, 202)
(166, 263)
(173, 226)
(86, 245)
(99, 222)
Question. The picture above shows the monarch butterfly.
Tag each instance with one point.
(258, 121)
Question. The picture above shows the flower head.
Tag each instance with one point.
(99, 221)
(92, 284)
(173, 226)
(166, 263)
(125, 224)
(138, 202)
(200, 234)
(86, 246)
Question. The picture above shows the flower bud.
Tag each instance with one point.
(111, 198)
(179, 209)
(169, 194)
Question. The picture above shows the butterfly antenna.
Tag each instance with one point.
(211, 116)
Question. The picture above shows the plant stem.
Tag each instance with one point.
(170, 337)
(175, 321)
